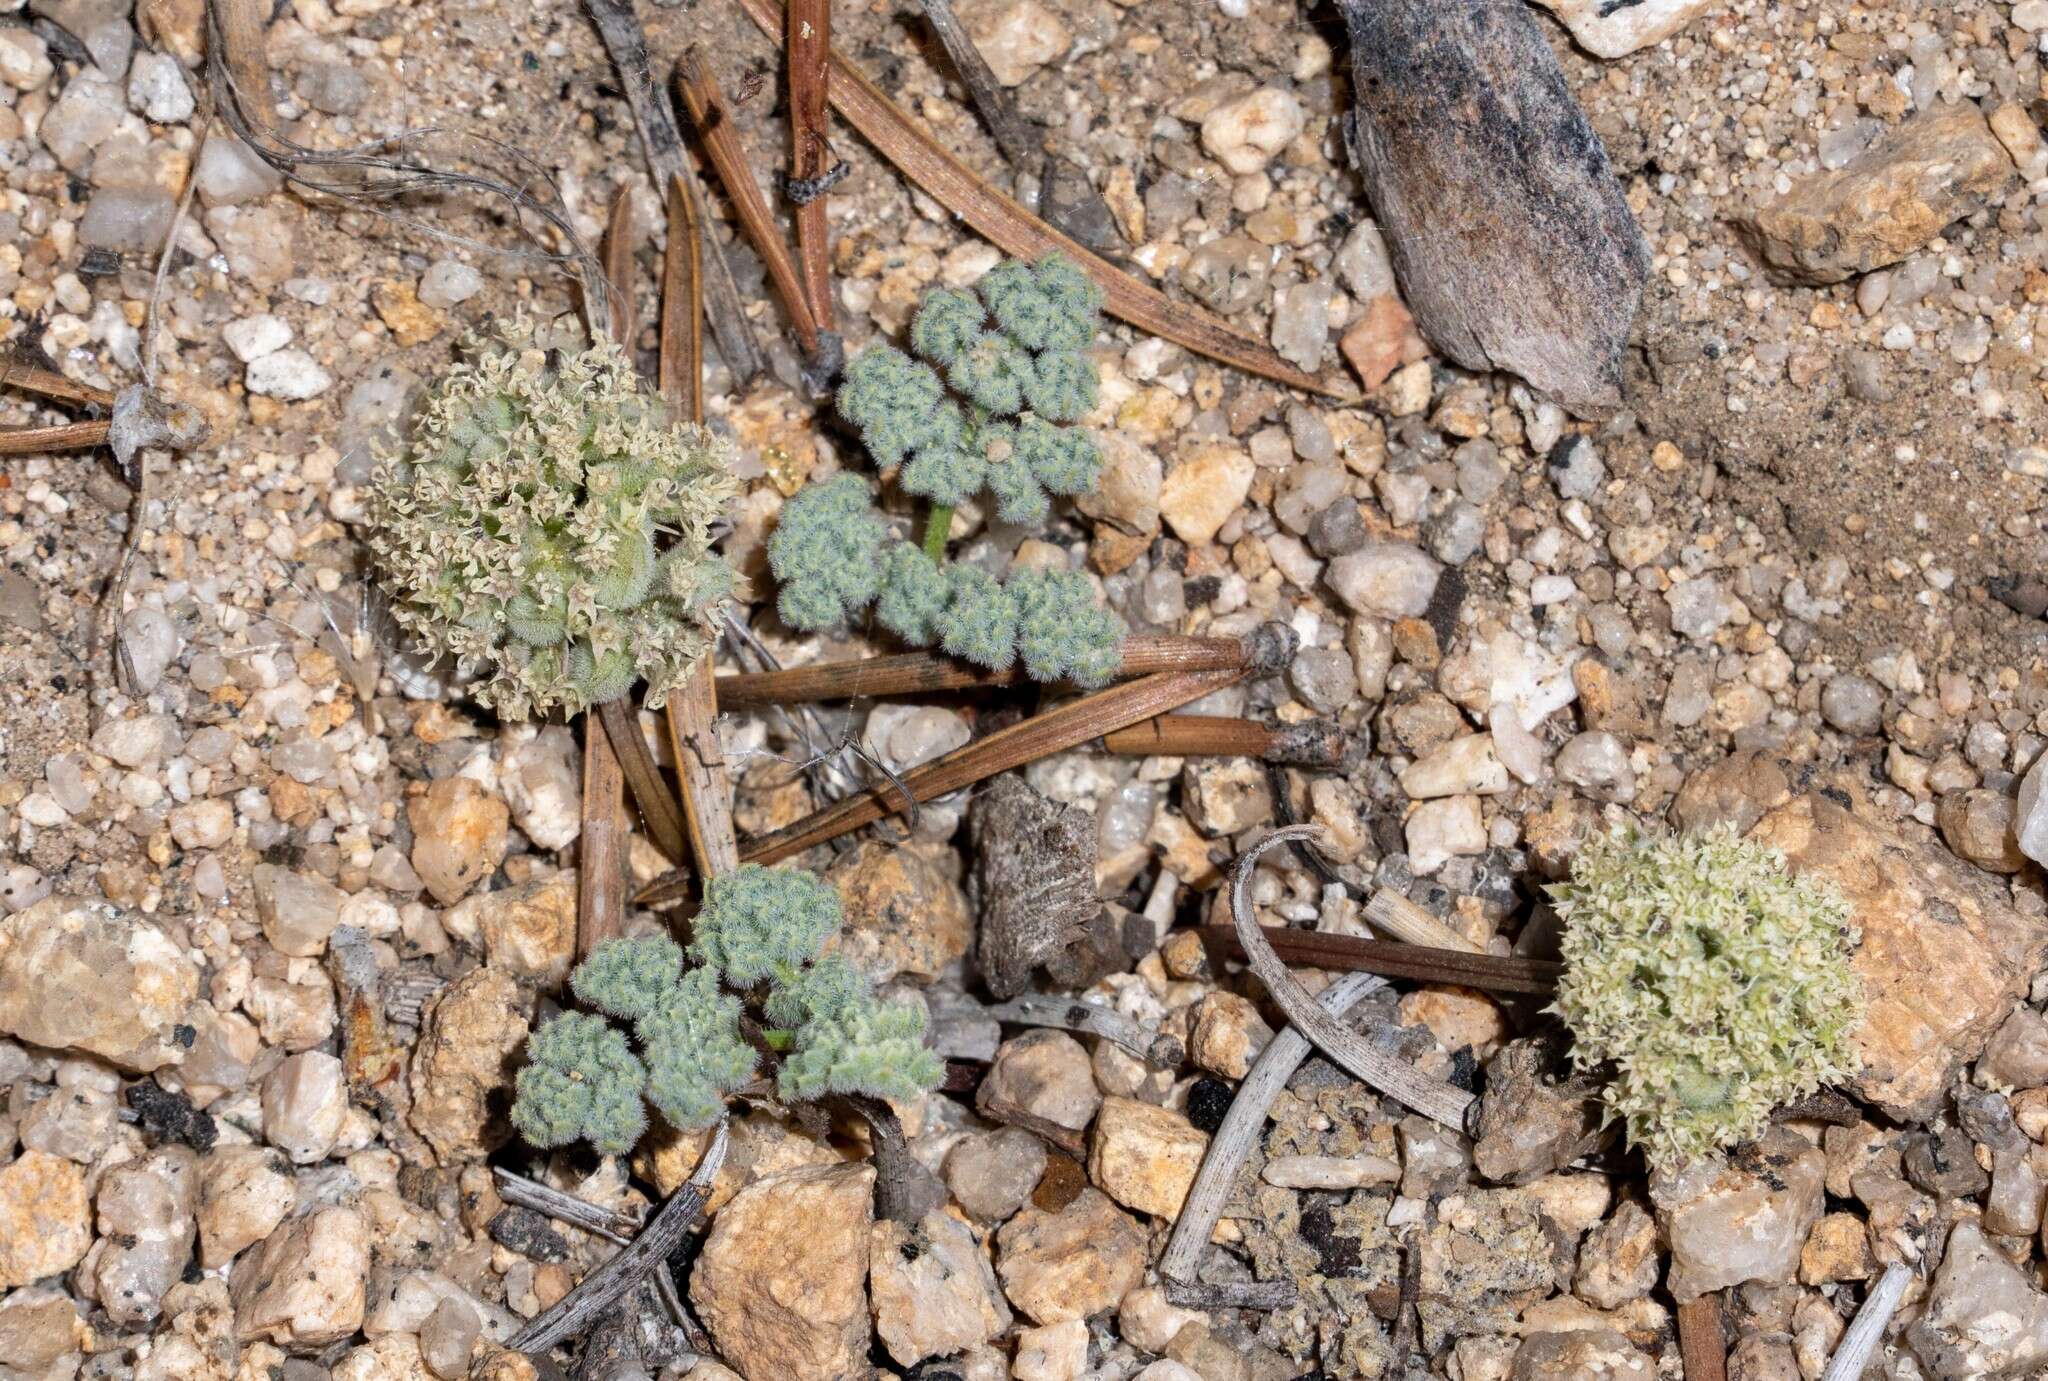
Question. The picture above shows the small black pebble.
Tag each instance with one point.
(529, 1234)
(1208, 1100)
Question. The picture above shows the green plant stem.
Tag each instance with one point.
(938, 523)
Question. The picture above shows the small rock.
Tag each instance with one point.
(1017, 38)
(1388, 580)
(1598, 763)
(462, 1066)
(1612, 31)
(305, 1101)
(253, 337)
(529, 931)
(140, 742)
(1906, 188)
(1581, 1355)
(448, 282)
(905, 915)
(458, 836)
(1466, 764)
(299, 912)
(1851, 703)
(1619, 1260)
(292, 375)
(1982, 1317)
(304, 1287)
(89, 112)
(543, 782)
(934, 1291)
(24, 59)
(1227, 1035)
(1301, 323)
(1145, 1156)
(1325, 678)
(1978, 825)
(780, 1281)
(1443, 829)
(1701, 607)
(146, 1224)
(1229, 274)
(1536, 1117)
(1045, 1073)
(1576, 468)
(1244, 135)
(45, 1218)
(991, 1174)
(1055, 1352)
(1070, 1264)
(1838, 1248)
(149, 644)
(80, 975)
(1226, 796)
(394, 1357)
(157, 90)
(1728, 1225)
(1736, 790)
(244, 1193)
(448, 1338)
(230, 172)
(2016, 1056)
(1200, 494)
(39, 1327)
(1455, 532)
(1329, 1172)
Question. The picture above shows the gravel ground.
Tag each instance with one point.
(277, 904)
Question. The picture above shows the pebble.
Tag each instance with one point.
(1851, 703)
(448, 282)
(2030, 829)
(244, 1193)
(229, 173)
(1576, 469)
(305, 1101)
(1338, 530)
(1330, 1172)
(1364, 264)
(1982, 1317)
(149, 644)
(1244, 134)
(1455, 532)
(1440, 830)
(933, 1290)
(1145, 1156)
(2016, 1056)
(470, 1034)
(1978, 825)
(1610, 31)
(24, 59)
(1199, 495)
(1619, 1260)
(1017, 38)
(1325, 678)
(1388, 580)
(1229, 274)
(146, 1221)
(305, 1286)
(88, 113)
(458, 836)
(449, 1337)
(45, 1222)
(1581, 1354)
(1466, 764)
(1149, 1321)
(157, 89)
(992, 1173)
(1300, 329)
(1599, 763)
(1072, 1263)
(298, 911)
(292, 375)
(1045, 1073)
(780, 1282)
(83, 975)
(1728, 1225)
(1054, 1352)
(1702, 607)
(253, 337)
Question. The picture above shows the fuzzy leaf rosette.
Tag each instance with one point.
(1714, 981)
(550, 525)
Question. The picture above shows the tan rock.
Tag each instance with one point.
(934, 1291)
(528, 931)
(1619, 1260)
(394, 1357)
(45, 1222)
(1942, 954)
(1978, 825)
(38, 1327)
(1201, 493)
(305, 1102)
(244, 1193)
(1019, 36)
(780, 1282)
(146, 1229)
(411, 320)
(1227, 1034)
(500, 1365)
(1459, 1018)
(905, 913)
(1729, 1224)
(1073, 1263)
(80, 975)
(1911, 184)
(462, 1066)
(458, 836)
(1383, 339)
(1045, 1073)
(1736, 790)
(304, 1287)
(198, 1343)
(1838, 1248)
(1145, 1156)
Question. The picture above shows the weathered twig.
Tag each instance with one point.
(1317, 743)
(896, 1169)
(1433, 1098)
(238, 28)
(1416, 963)
(1702, 1349)
(692, 711)
(53, 385)
(598, 1291)
(1866, 1334)
(64, 436)
(624, 39)
(1240, 1130)
(924, 673)
(1513, 242)
(1001, 1109)
(1052, 732)
(1404, 920)
(601, 849)
(1018, 232)
(658, 808)
(1092, 1019)
(720, 136)
(614, 1227)
(810, 148)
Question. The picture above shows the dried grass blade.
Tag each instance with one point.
(601, 851)
(1416, 963)
(658, 809)
(682, 309)
(1866, 1335)
(810, 152)
(53, 385)
(721, 139)
(68, 436)
(956, 187)
(1701, 1347)
(1433, 1098)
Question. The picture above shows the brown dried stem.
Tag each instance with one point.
(921, 673)
(810, 152)
(720, 136)
(53, 385)
(956, 187)
(66, 436)
(682, 312)
(1416, 963)
(1052, 732)
(239, 25)
(1316, 743)
(658, 809)
(1700, 1342)
(624, 39)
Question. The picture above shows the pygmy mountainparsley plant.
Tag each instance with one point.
(1715, 982)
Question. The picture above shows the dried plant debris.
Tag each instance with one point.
(1035, 874)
